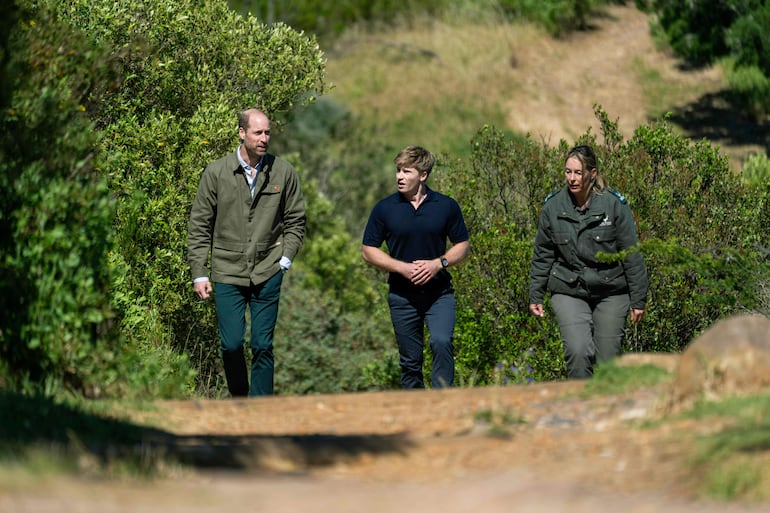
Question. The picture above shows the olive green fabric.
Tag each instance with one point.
(567, 244)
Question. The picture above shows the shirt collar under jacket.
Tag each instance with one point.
(245, 166)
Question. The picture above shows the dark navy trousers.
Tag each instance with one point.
(410, 314)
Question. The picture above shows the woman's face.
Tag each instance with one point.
(578, 180)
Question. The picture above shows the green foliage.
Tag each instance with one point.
(748, 38)
(749, 89)
(696, 30)
(338, 337)
(344, 155)
(55, 219)
(495, 332)
(330, 19)
(188, 68)
(322, 348)
(756, 170)
(558, 17)
(133, 100)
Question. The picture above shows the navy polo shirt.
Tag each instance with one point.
(416, 234)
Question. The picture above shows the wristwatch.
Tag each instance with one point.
(444, 262)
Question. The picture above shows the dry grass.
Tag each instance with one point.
(439, 85)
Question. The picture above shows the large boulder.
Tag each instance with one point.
(731, 358)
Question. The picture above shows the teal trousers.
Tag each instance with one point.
(231, 301)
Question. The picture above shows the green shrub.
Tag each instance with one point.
(756, 170)
(749, 89)
(56, 331)
(330, 19)
(134, 99)
(706, 32)
(749, 39)
(333, 332)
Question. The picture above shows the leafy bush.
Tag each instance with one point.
(334, 144)
(56, 330)
(333, 332)
(135, 98)
(756, 170)
(707, 31)
(189, 68)
(749, 39)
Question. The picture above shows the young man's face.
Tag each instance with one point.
(409, 179)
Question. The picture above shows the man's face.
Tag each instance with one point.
(408, 180)
(256, 137)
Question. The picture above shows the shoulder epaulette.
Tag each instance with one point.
(617, 194)
(551, 195)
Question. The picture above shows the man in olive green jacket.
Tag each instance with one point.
(249, 215)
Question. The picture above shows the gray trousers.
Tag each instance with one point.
(591, 330)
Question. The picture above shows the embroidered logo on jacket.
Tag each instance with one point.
(606, 222)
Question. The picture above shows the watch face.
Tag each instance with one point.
(444, 263)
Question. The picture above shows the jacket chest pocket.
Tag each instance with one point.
(565, 244)
(602, 239)
(270, 198)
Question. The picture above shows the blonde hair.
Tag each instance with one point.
(417, 157)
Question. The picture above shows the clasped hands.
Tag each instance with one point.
(421, 272)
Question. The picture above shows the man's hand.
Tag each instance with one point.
(422, 271)
(203, 289)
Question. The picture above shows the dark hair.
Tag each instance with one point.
(417, 157)
(585, 154)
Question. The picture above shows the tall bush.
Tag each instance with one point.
(56, 329)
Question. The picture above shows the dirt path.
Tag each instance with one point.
(616, 65)
(563, 79)
(529, 448)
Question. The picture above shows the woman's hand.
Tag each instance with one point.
(636, 315)
(537, 310)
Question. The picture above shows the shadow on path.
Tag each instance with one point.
(714, 117)
(38, 422)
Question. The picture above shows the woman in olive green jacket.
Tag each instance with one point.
(591, 299)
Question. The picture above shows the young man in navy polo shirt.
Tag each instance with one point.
(416, 223)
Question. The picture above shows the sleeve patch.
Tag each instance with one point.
(618, 195)
(551, 195)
